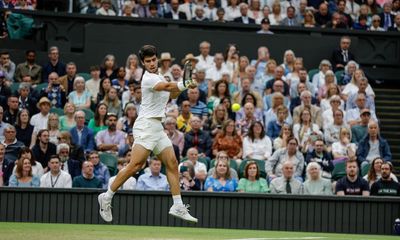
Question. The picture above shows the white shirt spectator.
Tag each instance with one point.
(341, 149)
(351, 88)
(325, 104)
(39, 122)
(211, 14)
(92, 86)
(232, 13)
(216, 74)
(260, 149)
(102, 11)
(205, 63)
(62, 180)
(354, 114)
(319, 80)
(188, 9)
(327, 117)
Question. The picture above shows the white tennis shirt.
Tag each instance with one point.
(153, 102)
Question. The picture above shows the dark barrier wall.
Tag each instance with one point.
(86, 39)
(368, 215)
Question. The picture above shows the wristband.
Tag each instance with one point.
(181, 86)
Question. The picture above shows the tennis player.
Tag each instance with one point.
(149, 135)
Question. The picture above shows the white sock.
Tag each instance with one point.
(177, 199)
(109, 193)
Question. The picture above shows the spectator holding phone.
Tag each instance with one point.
(187, 179)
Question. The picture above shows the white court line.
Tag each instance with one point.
(284, 238)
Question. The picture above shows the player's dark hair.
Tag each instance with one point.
(147, 51)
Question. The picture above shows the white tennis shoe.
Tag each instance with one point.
(181, 211)
(105, 207)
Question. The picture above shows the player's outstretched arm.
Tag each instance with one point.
(167, 86)
(175, 87)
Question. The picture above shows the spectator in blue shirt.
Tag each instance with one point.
(153, 180)
(274, 127)
(221, 180)
(81, 134)
(197, 107)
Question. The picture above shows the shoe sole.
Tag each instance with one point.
(100, 212)
(184, 219)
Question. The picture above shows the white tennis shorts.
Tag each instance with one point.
(149, 133)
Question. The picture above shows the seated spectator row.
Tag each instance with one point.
(63, 172)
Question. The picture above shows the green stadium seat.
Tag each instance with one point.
(204, 160)
(58, 111)
(338, 75)
(111, 161)
(365, 170)
(85, 76)
(89, 114)
(232, 164)
(339, 171)
(261, 166)
(40, 86)
(14, 87)
(312, 72)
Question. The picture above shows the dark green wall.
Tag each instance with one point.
(366, 215)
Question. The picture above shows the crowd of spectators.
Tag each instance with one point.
(371, 15)
(297, 131)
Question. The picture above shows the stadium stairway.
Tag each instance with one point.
(388, 111)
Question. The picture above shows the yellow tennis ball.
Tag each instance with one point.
(235, 107)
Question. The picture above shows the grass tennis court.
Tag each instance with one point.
(36, 231)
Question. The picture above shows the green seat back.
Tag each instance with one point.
(14, 87)
(85, 76)
(312, 72)
(339, 171)
(58, 111)
(338, 75)
(232, 164)
(89, 114)
(111, 161)
(365, 169)
(40, 86)
(201, 159)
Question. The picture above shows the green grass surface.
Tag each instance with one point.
(38, 231)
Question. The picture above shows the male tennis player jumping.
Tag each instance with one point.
(149, 135)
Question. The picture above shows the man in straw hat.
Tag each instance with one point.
(39, 120)
(190, 57)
